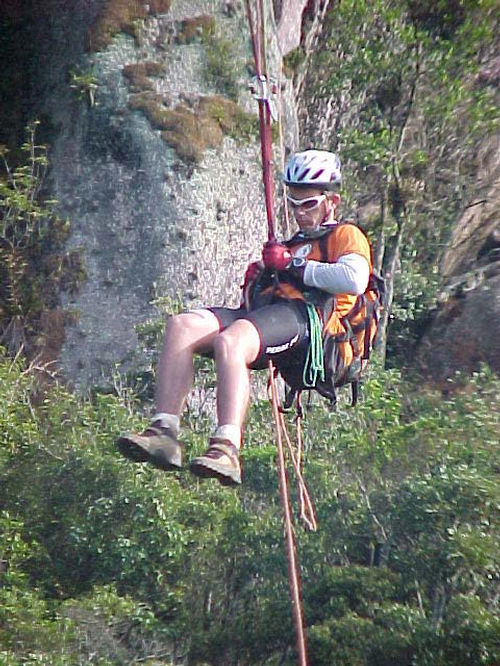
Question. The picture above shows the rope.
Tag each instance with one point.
(314, 366)
(282, 152)
(293, 569)
(306, 511)
(257, 33)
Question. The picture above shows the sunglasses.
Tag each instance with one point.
(309, 203)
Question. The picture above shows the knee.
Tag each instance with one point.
(234, 343)
(225, 343)
(187, 327)
(179, 324)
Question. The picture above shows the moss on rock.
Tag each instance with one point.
(191, 131)
(232, 119)
(153, 108)
(196, 28)
(122, 16)
(190, 134)
(139, 75)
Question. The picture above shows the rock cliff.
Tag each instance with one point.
(155, 157)
(155, 161)
(465, 329)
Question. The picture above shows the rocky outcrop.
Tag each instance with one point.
(465, 329)
(288, 15)
(155, 158)
(155, 161)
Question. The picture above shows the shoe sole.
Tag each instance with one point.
(136, 453)
(208, 470)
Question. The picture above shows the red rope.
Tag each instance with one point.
(253, 38)
(256, 23)
(265, 149)
(257, 34)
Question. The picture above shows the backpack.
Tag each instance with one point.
(346, 354)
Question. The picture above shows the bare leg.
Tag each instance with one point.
(234, 349)
(186, 334)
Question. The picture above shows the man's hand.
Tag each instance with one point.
(252, 273)
(276, 256)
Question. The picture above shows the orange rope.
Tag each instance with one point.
(293, 569)
(306, 507)
(256, 20)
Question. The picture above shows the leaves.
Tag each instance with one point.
(162, 564)
(34, 267)
(395, 88)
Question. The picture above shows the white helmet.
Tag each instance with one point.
(314, 168)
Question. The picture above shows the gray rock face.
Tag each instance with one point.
(148, 224)
(465, 330)
(289, 23)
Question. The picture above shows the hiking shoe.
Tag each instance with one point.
(156, 445)
(220, 461)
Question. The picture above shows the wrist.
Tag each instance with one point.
(299, 262)
(298, 266)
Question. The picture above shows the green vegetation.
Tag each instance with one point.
(221, 56)
(125, 563)
(396, 88)
(34, 266)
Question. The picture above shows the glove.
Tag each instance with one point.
(252, 273)
(276, 256)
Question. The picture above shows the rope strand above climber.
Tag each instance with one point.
(298, 294)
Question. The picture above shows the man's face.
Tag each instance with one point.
(315, 208)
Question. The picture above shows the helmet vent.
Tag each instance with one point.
(317, 174)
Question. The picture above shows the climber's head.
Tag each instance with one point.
(313, 176)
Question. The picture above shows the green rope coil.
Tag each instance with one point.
(314, 366)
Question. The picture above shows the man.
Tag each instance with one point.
(323, 259)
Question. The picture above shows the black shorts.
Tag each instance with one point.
(283, 329)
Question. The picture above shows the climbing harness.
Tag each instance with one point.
(261, 89)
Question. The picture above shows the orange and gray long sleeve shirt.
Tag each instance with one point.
(339, 263)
